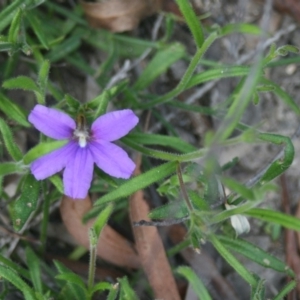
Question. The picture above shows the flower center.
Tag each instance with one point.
(81, 133)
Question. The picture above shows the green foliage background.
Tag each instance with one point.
(43, 34)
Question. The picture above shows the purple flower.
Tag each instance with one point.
(85, 147)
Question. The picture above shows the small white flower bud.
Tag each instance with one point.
(239, 222)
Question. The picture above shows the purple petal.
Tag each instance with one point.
(78, 174)
(112, 159)
(52, 122)
(114, 125)
(53, 162)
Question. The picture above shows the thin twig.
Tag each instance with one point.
(167, 222)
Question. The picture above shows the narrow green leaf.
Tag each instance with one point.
(8, 13)
(256, 254)
(71, 278)
(242, 98)
(66, 12)
(74, 290)
(255, 98)
(163, 154)
(21, 82)
(101, 286)
(284, 292)
(35, 24)
(239, 210)
(26, 204)
(102, 219)
(126, 291)
(9, 142)
(162, 60)
(15, 279)
(64, 49)
(15, 267)
(194, 108)
(218, 73)
(73, 103)
(103, 72)
(174, 210)
(265, 88)
(34, 3)
(57, 94)
(162, 140)
(286, 49)
(13, 111)
(241, 189)
(13, 33)
(282, 164)
(240, 269)
(43, 81)
(283, 95)
(42, 149)
(230, 164)
(139, 182)
(276, 217)
(196, 283)
(132, 186)
(7, 47)
(57, 182)
(127, 46)
(77, 60)
(245, 28)
(33, 263)
(184, 82)
(284, 62)
(10, 168)
(100, 102)
(213, 191)
(192, 21)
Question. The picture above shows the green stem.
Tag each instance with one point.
(45, 219)
(243, 272)
(192, 21)
(93, 255)
(183, 190)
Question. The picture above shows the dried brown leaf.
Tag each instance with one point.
(151, 251)
(119, 15)
(112, 246)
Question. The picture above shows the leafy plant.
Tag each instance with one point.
(191, 184)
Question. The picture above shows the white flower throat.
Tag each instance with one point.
(81, 133)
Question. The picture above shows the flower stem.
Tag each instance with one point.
(93, 254)
(45, 219)
(183, 190)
